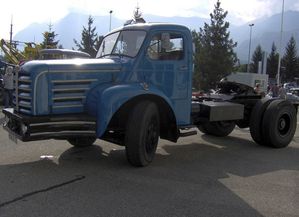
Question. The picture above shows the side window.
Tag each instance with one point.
(166, 46)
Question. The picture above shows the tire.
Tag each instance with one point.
(279, 124)
(142, 134)
(256, 118)
(202, 129)
(242, 124)
(81, 142)
(217, 128)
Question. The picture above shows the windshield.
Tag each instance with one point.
(125, 43)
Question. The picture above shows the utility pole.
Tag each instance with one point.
(10, 34)
(250, 25)
(280, 41)
(110, 20)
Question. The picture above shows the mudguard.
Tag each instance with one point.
(104, 101)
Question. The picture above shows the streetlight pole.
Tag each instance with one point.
(10, 34)
(280, 41)
(250, 25)
(110, 20)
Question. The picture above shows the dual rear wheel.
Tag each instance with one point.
(273, 123)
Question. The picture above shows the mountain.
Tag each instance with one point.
(68, 28)
(71, 26)
(264, 32)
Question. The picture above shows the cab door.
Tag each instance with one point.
(167, 67)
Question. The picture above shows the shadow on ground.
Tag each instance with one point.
(183, 180)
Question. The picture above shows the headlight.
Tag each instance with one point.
(6, 120)
(24, 129)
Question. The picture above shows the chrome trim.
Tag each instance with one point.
(24, 81)
(66, 106)
(63, 122)
(69, 89)
(24, 105)
(63, 132)
(17, 89)
(25, 97)
(34, 94)
(73, 81)
(68, 98)
(24, 89)
(85, 70)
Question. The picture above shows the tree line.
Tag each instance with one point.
(289, 61)
(89, 43)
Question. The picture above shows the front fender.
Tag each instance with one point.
(110, 99)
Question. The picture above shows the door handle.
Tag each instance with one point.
(183, 67)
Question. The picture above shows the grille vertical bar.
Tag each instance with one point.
(23, 92)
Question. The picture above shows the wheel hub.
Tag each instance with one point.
(284, 124)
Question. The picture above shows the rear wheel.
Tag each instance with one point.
(217, 128)
(142, 134)
(279, 124)
(256, 118)
(83, 141)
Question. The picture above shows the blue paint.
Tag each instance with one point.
(101, 86)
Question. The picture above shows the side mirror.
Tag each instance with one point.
(165, 41)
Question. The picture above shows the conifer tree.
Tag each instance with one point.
(196, 76)
(257, 56)
(90, 41)
(216, 57)
(49, 41)
(272, 62)
(289, 62)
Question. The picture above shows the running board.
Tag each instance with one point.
(189, 133)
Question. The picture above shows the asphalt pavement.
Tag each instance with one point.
(198, 176)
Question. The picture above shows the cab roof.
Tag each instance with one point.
(152, 26)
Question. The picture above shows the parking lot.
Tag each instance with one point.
(198, 176)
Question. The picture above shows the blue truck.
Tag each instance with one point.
(137, 90)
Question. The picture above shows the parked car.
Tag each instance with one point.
(289, 86)
(46, 54)
(1, 90)
(293, 95)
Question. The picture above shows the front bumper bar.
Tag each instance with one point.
(31, 128)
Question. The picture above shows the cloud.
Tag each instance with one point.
(254, 9)
(29, 11)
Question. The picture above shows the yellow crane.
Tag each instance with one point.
(14, 56)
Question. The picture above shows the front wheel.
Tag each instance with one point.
(83, 141)
(142, 134)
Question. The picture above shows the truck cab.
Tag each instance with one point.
(138, 89)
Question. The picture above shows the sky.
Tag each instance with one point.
(23, 13)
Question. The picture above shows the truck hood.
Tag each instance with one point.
(61, 86)
(71, 64)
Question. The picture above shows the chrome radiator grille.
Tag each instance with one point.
(23, 93)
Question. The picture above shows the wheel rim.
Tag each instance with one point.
(151, 136)
(284, 124)
(225, 124)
